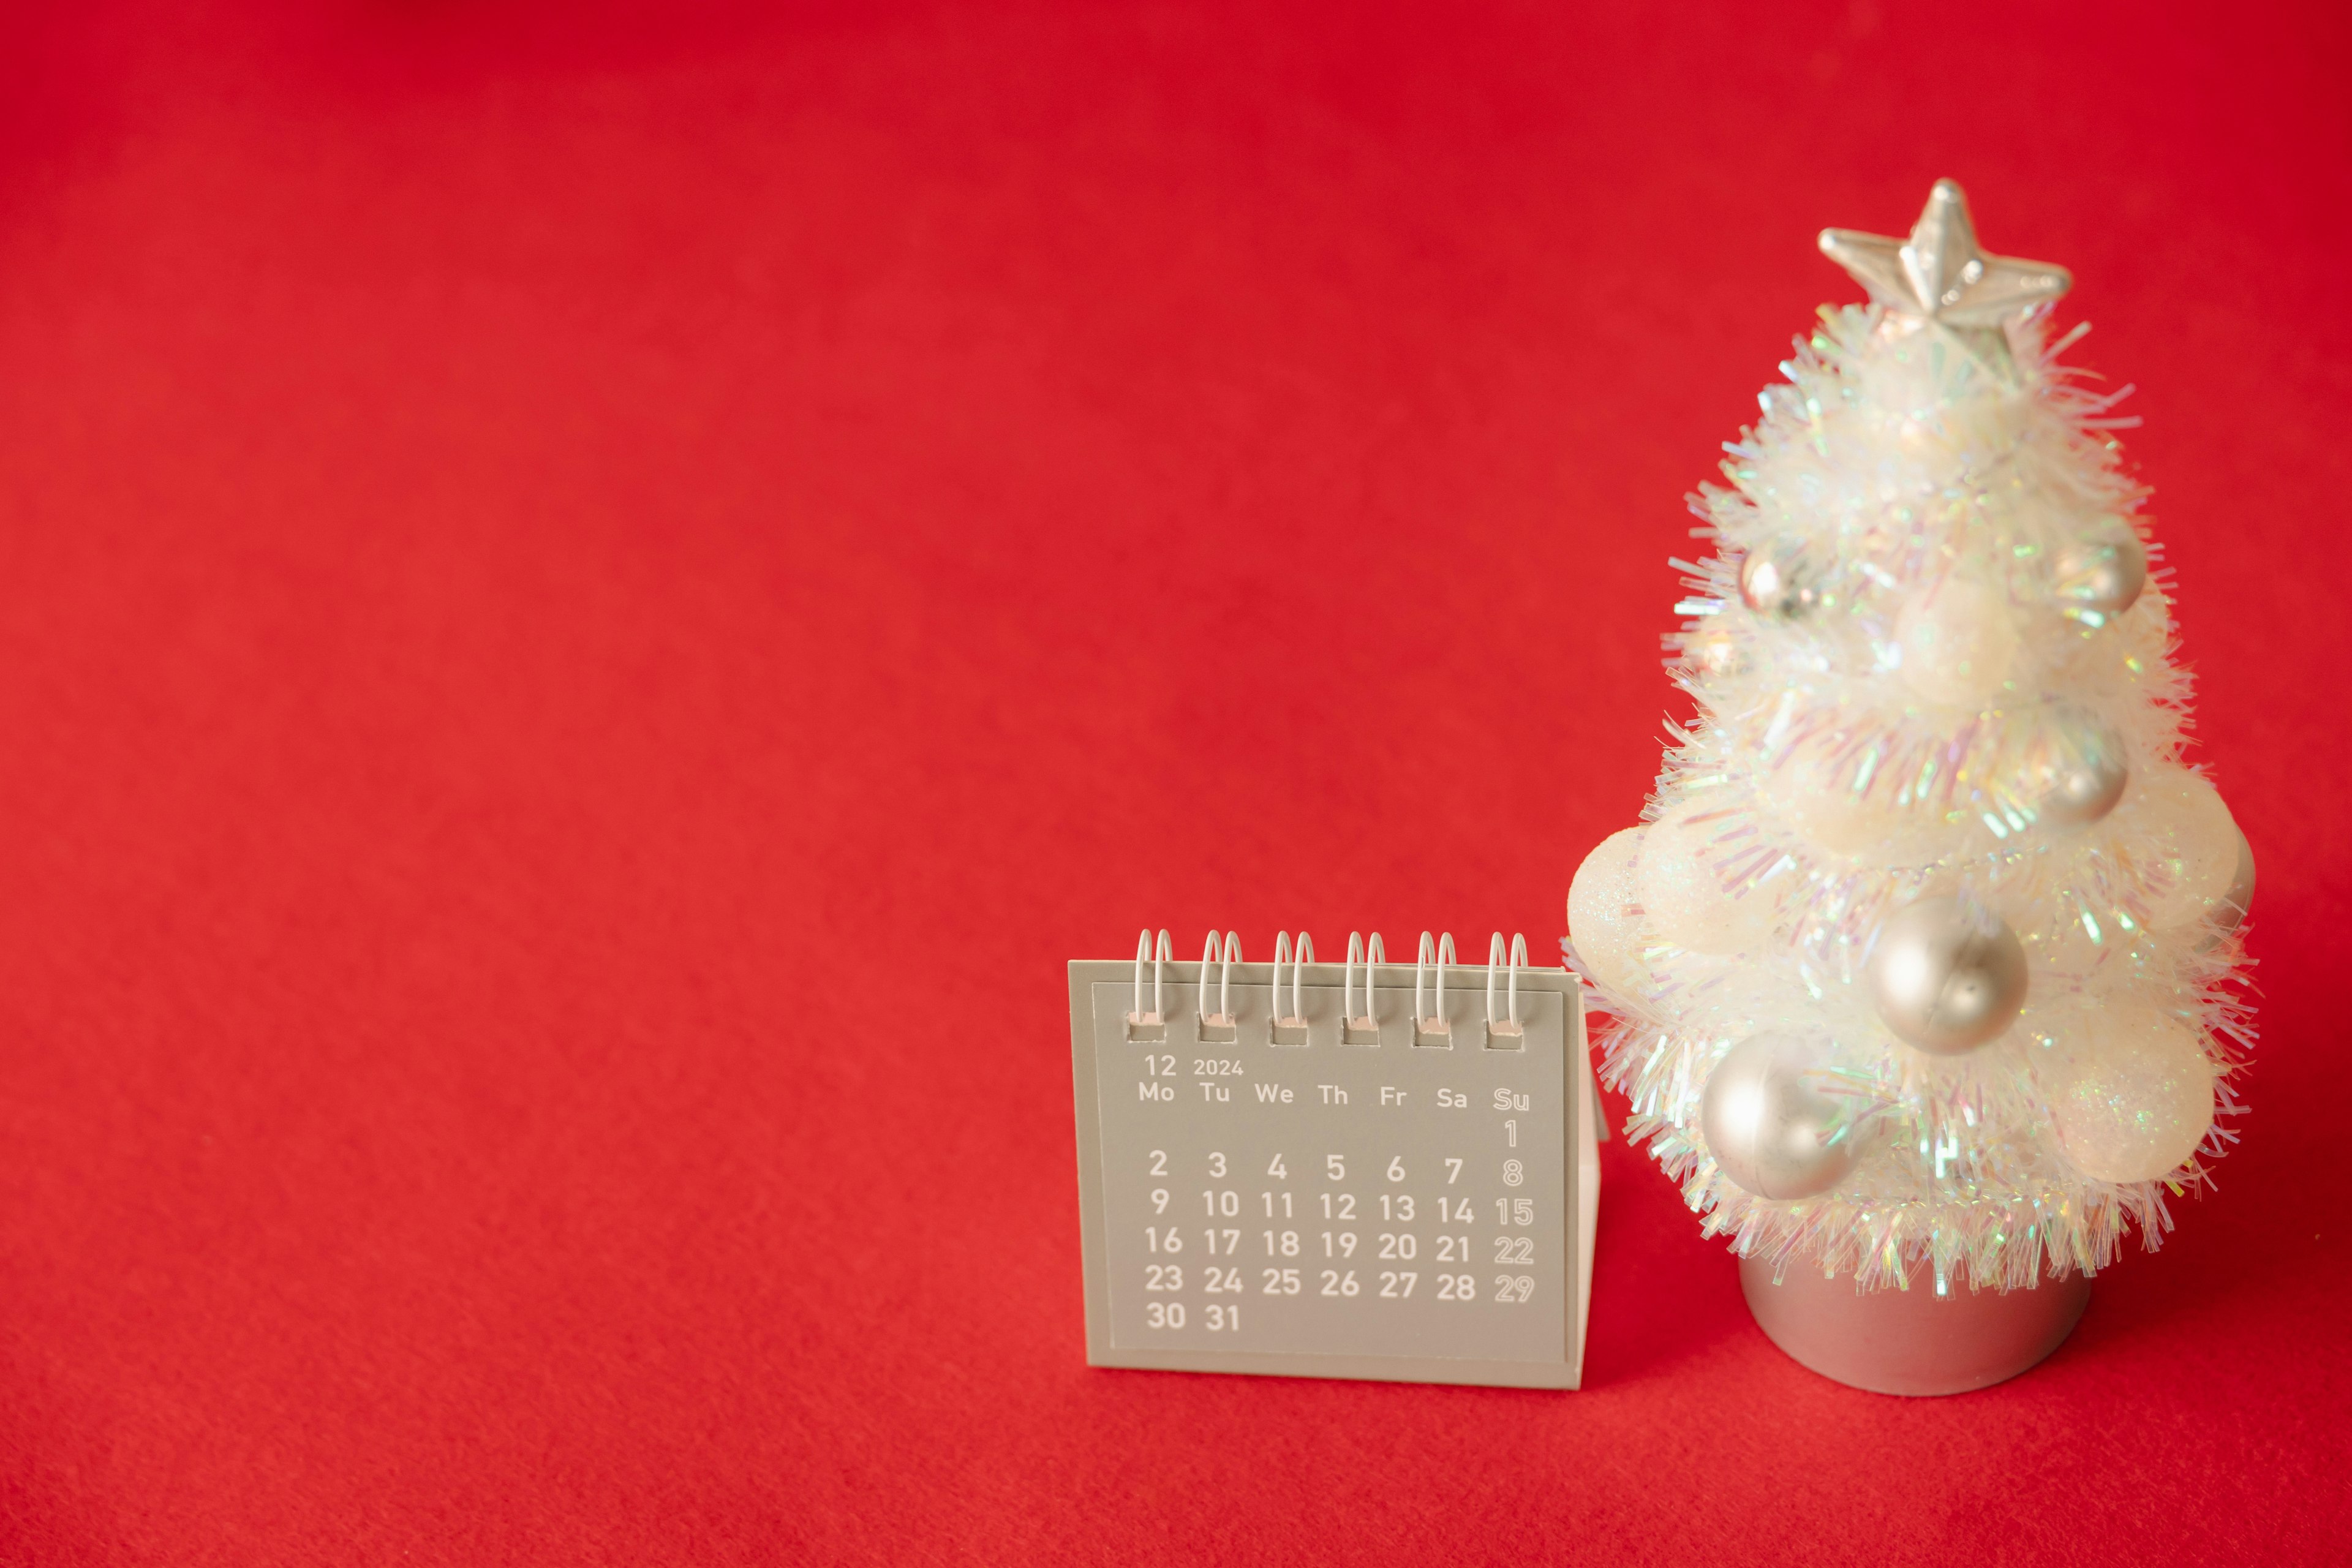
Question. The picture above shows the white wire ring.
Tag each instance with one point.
(1359, 954)
(1158, 975)
(1517, 961)
(1225, 983)
(1441, 954)
(1301, 956)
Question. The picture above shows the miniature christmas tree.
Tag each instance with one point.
(1922, 954)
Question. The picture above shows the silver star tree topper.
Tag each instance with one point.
(1942, 277)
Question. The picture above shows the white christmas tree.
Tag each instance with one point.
(1921, 956)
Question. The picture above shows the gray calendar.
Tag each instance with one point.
(1358, 1170)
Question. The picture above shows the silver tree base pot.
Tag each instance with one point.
(1908, 1341)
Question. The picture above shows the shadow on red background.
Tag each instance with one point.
(595, 600)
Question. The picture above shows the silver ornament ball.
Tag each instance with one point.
(2075, 768)
(1770, 1126)
(1778, 582)
(2096, 580)
(1948, 975)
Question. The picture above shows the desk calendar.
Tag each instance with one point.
(1361, 1170)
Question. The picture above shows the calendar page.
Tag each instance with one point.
(1363, 1171)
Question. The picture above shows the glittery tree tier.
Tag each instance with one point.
(1924, 948)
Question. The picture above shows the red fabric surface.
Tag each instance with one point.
(592, 601)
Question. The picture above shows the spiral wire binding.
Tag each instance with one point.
(1430, 1028)
(1504, 1034)
(1220, 1027)
(1504, 1029)
(1364, 1029)
(1153, 1025)
(1291, 1030)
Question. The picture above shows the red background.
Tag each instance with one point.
(592, 601)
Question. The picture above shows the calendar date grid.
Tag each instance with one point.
(1348, 1251)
